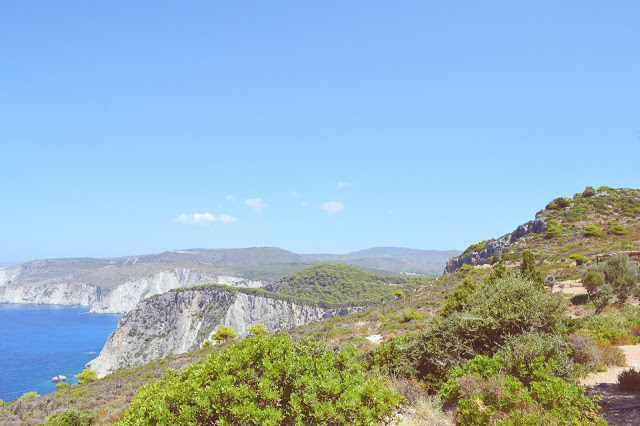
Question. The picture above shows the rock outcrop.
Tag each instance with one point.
(480, 257)
(181, 321)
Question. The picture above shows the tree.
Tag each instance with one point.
(550, 282)
(622, 274)
(599, 293)
(62, 385)
(258, 329)
(87, 376)
(528, 269)
(618, 277)
(224, 333)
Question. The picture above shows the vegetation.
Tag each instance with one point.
(343, 284)
(224, 333)
(491, 343)
(629, 380)
(267, 381)
(87, 376)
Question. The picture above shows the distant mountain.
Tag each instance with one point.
(396, 259)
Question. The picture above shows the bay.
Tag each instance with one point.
(38, 342)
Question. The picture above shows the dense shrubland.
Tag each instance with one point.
(267, 380)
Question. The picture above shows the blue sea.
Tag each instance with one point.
(38, 342)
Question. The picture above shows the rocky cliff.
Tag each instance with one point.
(180, 321)
(120, 299)
(480, 257)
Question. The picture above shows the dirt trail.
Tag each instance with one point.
(618, 408)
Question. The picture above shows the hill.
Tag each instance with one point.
(341, 284)
(397, 259)
(570, 232)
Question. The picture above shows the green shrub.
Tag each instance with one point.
(589, 192)
(486, 394)
(61, 386)
(559, 203)
(591, 231)
(267, 380)
(87, 376)
(258, 329)
(525, 355)
(73, 418)
(409, 315)
(496, 310)
(554, 229)
(616, 229)
(604, 331)
(629, 380)
(457, 299)
(224, 333)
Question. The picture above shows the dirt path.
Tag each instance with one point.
(618, 408)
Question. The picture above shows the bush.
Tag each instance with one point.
(87, 376)
(224, 333)
(604, 331)
(485, 394)
(629, 380)
(616, 229)
(496, 310)
(559, 203)
(525, 356)
(73, 418)
(587, 353)
(61, 386)
(258, 329)
(267, 380)
(409, 315)
(554, 229)
(592, 230)
(613, 356)
(589, 192)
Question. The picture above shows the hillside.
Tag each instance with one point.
(397, 259)
(592, 223)
(338, 283)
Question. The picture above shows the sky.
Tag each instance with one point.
(318, 127)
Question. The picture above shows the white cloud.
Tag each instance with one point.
(226, 219)
(228, 197)
(342, 185)
(204, 219)
(333, 207)
(294, 193)
(257, 204)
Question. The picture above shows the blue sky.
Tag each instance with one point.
(326, 126)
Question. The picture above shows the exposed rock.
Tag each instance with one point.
(117, 300)
(536, 226)
(181, 321)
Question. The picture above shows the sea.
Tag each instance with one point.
(38, 342)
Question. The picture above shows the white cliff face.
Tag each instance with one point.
(50, 294)
(7, 275)
(181, 321)
(276, 315)
(121, 299)
(126, 296)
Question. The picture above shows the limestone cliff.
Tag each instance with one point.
(120, 299)
(180, 321)
(480, 257)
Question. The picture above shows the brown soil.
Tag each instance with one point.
(618, 408)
